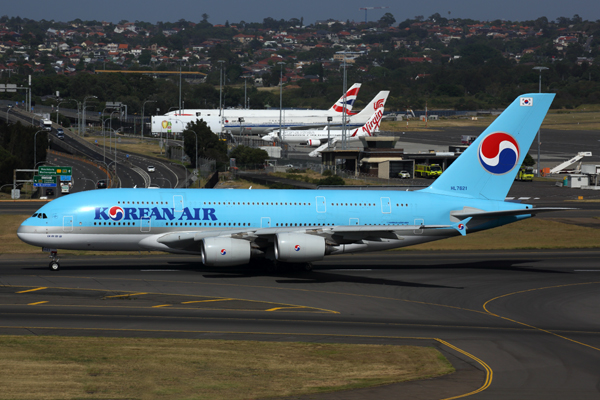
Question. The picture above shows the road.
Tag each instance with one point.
(131, 169)
(526, 323)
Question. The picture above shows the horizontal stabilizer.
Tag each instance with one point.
(506, 213)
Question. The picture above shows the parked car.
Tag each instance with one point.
(50, 192)
(403, 175)
(151, 168)
(101, 184)
(60, 133)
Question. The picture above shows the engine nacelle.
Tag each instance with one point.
(299, 247)
(313, 142)
(225, 252)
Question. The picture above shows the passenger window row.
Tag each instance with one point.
(257, 203)
(355, 204)
(141, 202)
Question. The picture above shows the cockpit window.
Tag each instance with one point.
(34, 215)
(42, 215)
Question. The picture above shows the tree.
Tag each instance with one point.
(331, 180)
(145, 57)
(387, 20)
(528, 161)
(209, 145)
(245, 155)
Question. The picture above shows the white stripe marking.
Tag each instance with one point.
(158, 270)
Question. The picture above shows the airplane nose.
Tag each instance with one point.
(24, 233)
(21, 231)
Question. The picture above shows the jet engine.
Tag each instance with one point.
(299, 247)
(313, 142)
(225, 252)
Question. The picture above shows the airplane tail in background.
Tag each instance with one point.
(373, 123)
(488, 167)
(377, 102)
(351, 96)
(370, 126)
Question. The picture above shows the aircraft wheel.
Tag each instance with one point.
(54, 266)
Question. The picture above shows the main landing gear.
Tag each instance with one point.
(54, 265)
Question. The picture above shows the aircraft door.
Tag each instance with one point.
(68, 223)
(321, 206)
(178, 203)
(386, 205)
(145, 224)
(265, 222)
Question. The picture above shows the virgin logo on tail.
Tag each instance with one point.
(379, 104)
(371, 125)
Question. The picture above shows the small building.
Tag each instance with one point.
(577, 180)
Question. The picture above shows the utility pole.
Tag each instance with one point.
(281, 99)
(539, 135)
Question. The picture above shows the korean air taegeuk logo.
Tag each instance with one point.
(499, 153)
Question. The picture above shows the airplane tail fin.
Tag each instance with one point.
(372, 124)
(377, 102)
(351, 95)
(488, 167)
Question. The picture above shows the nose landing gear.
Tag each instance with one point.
(54, 265)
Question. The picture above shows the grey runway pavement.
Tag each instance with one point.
(516, 324)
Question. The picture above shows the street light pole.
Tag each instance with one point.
(329, 119)
(104, 135)
(58, 107)
(245, 91)
(221, 85)
(539, 135)
(281, 98)
(35, 147)
(7, 110)
(144, 105)
(83, 111)
(344, 139)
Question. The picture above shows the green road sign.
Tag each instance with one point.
(55, 170)
(44, 181)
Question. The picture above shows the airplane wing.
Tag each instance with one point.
(334, 235)
(318, 150)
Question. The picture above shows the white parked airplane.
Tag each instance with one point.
(257, 122)
(321, 138)
(230, 227)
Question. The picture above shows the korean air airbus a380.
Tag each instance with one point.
(230, 227)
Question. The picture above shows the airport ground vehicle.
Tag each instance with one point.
(427, 171)
(403, 175)
(101, 184)
(525, 174)
(227, 227)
